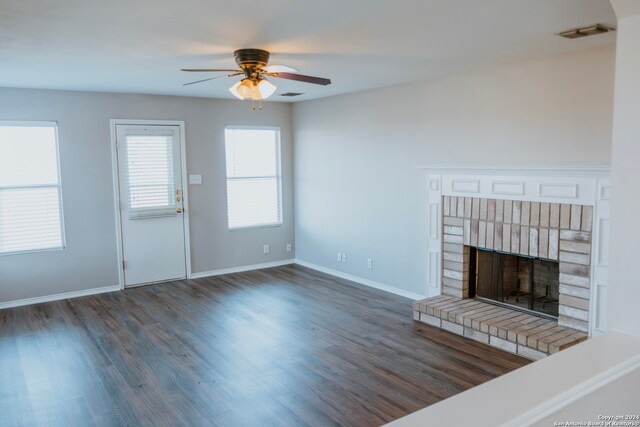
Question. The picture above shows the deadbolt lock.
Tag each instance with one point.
(178, 199)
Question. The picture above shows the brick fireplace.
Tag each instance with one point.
(553, 231)
(553, 222)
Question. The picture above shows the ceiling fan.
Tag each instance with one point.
(253, 64)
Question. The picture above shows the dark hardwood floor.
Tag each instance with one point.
(282, 346)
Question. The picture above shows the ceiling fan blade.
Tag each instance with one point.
(206, 80)
(209, 70)
(279, 69)
(303, 78)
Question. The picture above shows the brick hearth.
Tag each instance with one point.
(511, 330)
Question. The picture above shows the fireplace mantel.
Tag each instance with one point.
(588, 186)
(591, 171)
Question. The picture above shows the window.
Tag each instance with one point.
(30, 197)
(253, 177)
(150, 173)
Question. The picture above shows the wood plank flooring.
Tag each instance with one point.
(282, 346)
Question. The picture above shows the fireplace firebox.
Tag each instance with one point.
(525, 283)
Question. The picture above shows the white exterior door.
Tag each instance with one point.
(151, 203)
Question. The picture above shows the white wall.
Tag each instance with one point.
(358, 188)
(89, 261)
(617, 398)
(624, 284)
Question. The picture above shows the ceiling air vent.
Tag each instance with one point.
(292, 94)
(586, 31)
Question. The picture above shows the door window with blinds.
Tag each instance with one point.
(30, 193)
(150, 173)
(254, 195)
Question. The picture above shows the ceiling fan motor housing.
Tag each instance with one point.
(251, 58)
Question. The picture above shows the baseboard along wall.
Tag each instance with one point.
(336, 273)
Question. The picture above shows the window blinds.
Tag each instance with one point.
(150, 174)
(253, 177)
(30, 194)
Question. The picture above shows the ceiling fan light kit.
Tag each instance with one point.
(252, 89)
(255, 86)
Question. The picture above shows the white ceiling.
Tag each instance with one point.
(139, 46)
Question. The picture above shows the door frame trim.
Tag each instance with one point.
(116, 187)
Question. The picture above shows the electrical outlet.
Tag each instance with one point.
(369, 263)
(288, 247)
(265, 249)
(339, 256)
(344, 257)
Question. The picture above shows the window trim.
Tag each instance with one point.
(63, 238)
(278, 131)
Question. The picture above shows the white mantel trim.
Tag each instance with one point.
(593, 171)
(576, 185)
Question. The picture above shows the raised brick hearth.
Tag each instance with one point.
(511, 330)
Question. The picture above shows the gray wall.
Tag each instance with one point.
(358, 186)
(89, 261)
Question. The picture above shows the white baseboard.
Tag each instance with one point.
(241, 268)
(361, 280)
(57, 297)
(95, 291)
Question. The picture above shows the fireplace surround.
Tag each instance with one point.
(554, 231)
(558, 216)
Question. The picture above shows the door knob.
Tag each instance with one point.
(179, 210)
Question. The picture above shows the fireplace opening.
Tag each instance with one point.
(525, 283)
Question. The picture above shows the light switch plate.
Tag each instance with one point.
(195, 179)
